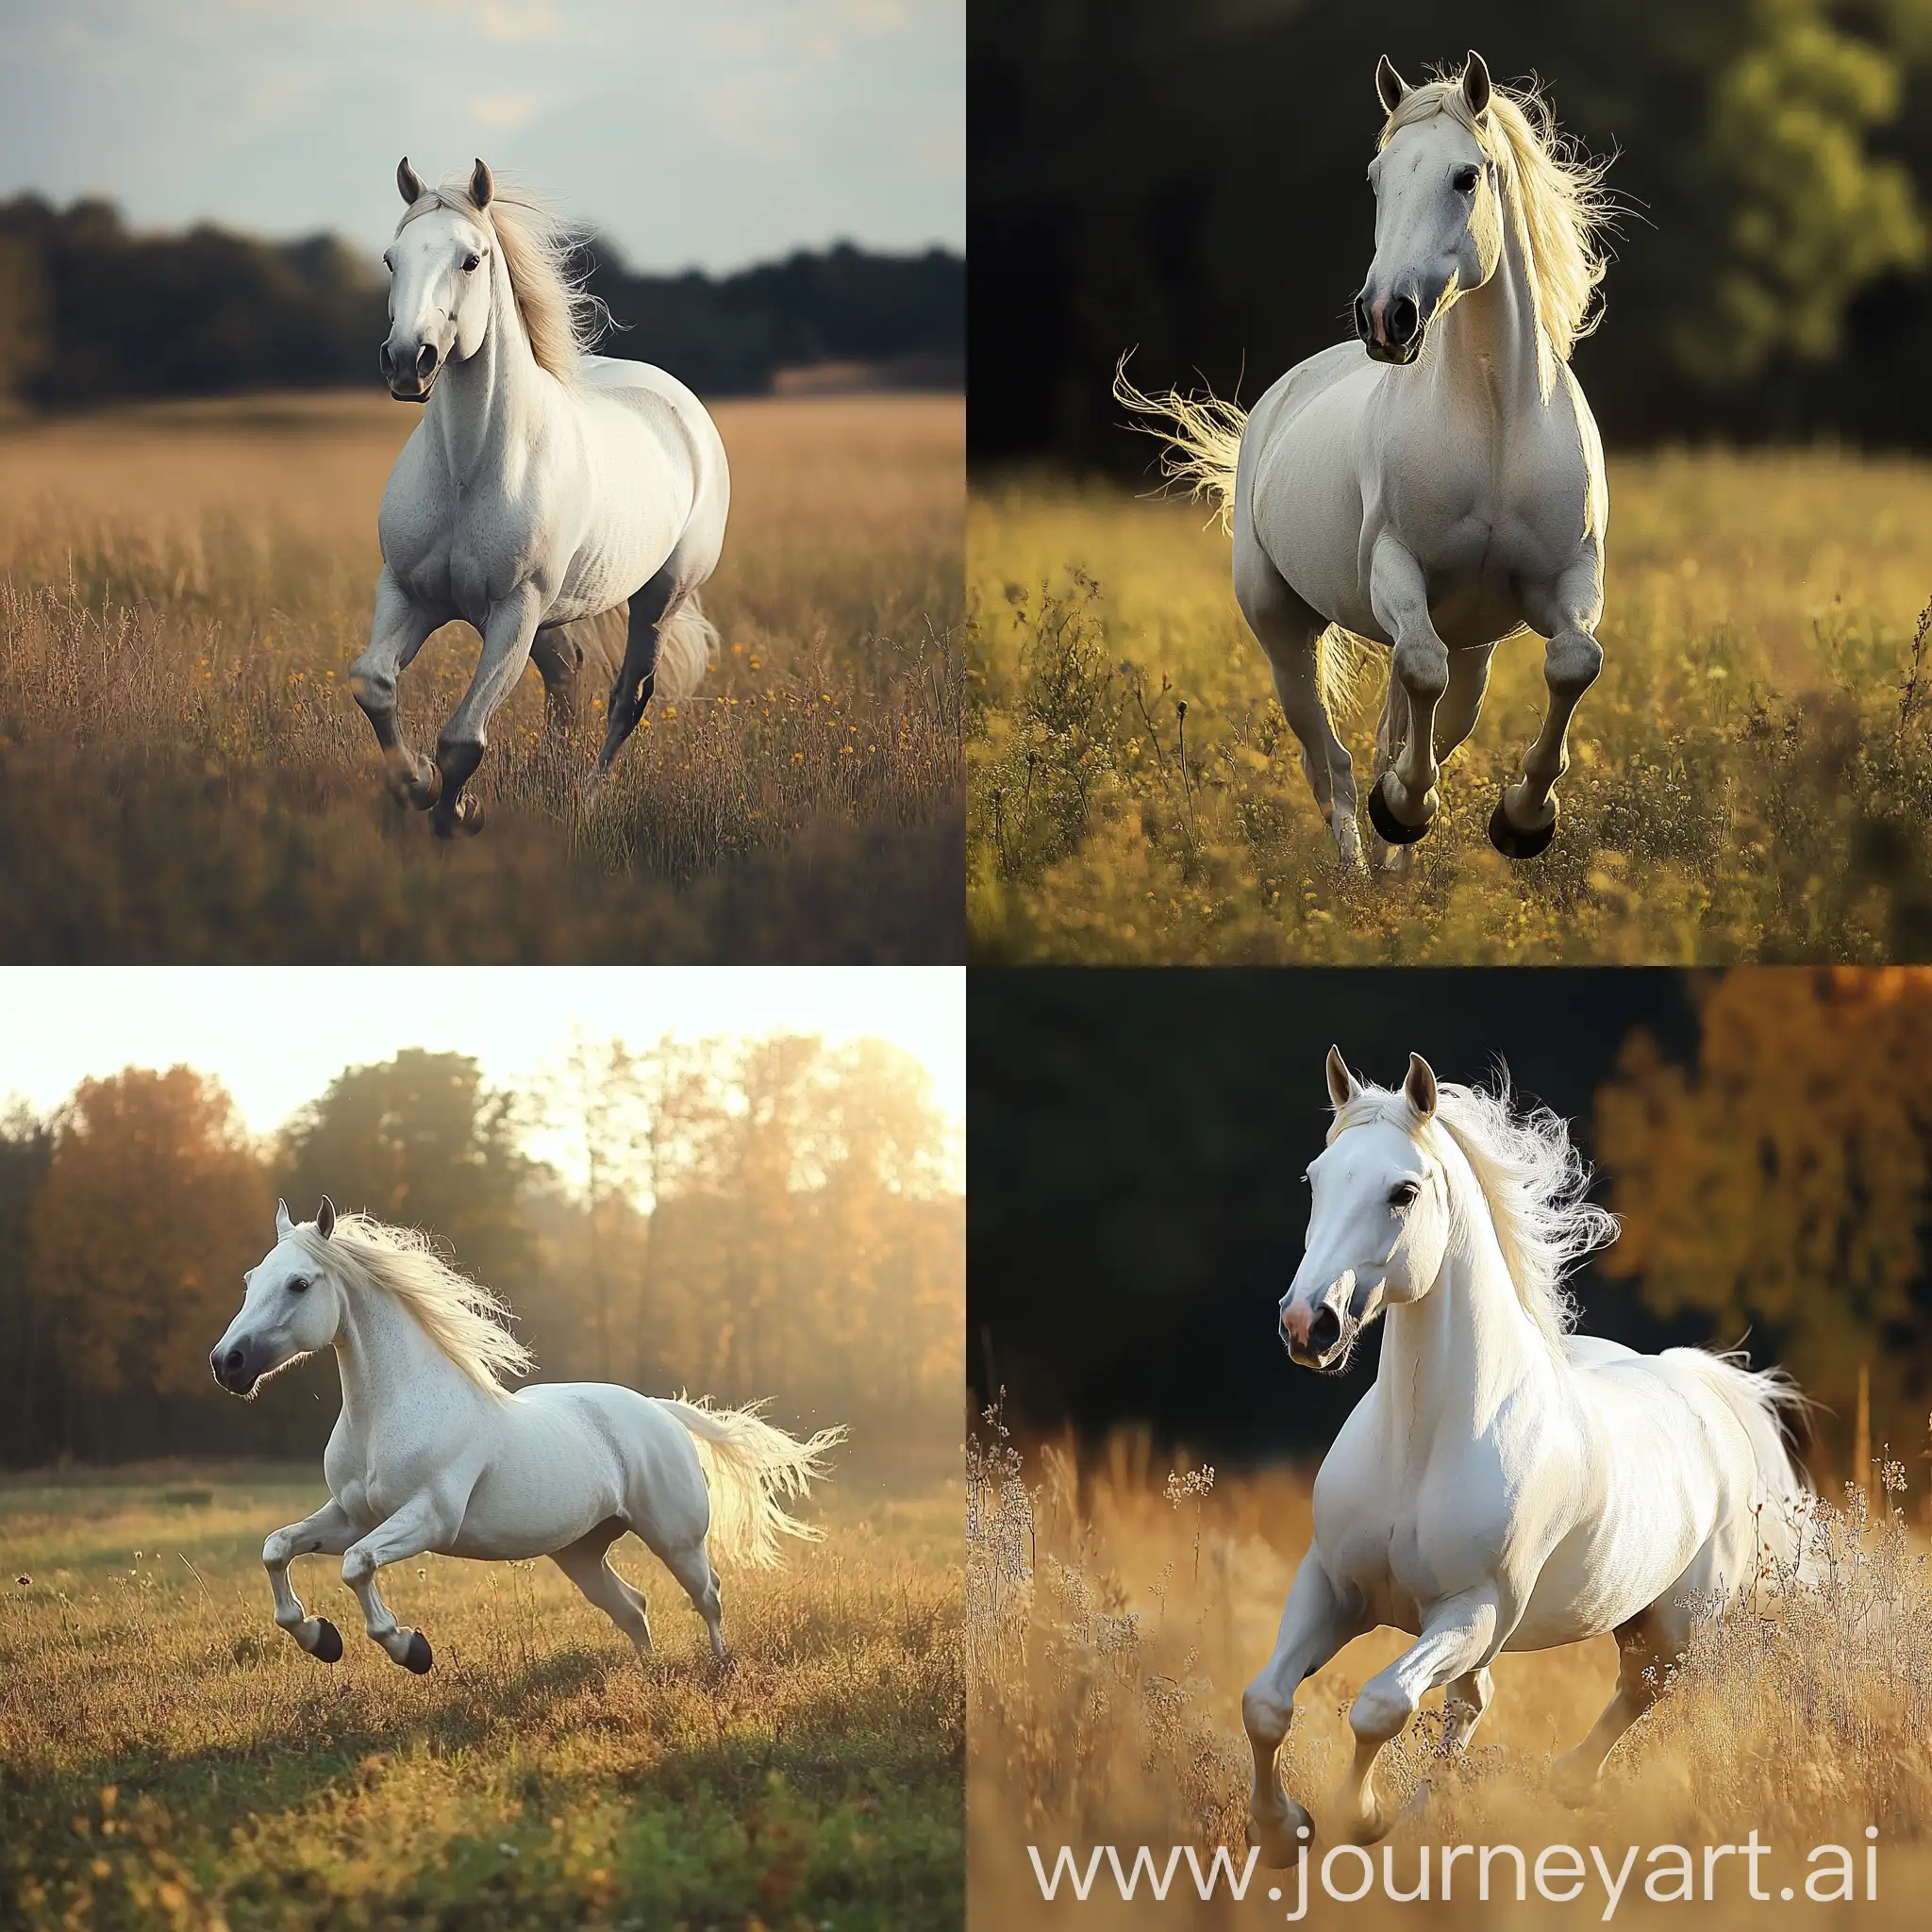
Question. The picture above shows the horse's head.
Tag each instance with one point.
(289, 1307)
(1439, 211)
(1378, 1221)
(439, 296)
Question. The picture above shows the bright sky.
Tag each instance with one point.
(705, 133)
(276, 1036)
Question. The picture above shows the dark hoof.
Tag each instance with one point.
(328, 1644)
(422, 793)
(1514, 845)
(418, 1657)
(1388, 824)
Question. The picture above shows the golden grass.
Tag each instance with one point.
(1114, 1618)
(168, 1757)
(1750, 777)
(182, 588)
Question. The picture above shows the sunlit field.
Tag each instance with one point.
(169, 1757)
(183, 774)
(1751, 777)
(1115, 1613)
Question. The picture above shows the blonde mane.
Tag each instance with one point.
(561, 319)
(463, 1318)
(1552, 193)
(1529, 1176)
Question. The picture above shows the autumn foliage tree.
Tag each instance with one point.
(1779, 1186)
(153, 1204)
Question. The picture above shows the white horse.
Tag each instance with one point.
(432, 1453)
(545, 489)
(1437, 485)
(1505, 1485)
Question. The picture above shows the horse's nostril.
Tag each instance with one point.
(425, 360)
(1362, 318)
(385, 363)
(1403, 318)
(232, 1362)
(1324, 1331)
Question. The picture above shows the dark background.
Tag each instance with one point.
(1136, 1141)
(1185, 178)
(90, 312)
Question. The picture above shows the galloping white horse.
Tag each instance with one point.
(1437, 485)
(1505, 1485)
(432, 1453)
(544, 489)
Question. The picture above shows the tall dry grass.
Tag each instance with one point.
(1116, 1607)
(169, 1757)
(1751, 777)
(183, 775)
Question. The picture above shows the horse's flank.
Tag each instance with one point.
(561, 318)
(462, 1317)
(1528, 1173)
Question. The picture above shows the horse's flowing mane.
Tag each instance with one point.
(462, 1317)
(1531, 1178)
(561, 318)
(1554, 193)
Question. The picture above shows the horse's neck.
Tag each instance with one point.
(488, 407)
(1488, 340)
(387, 1359)
(1450, 1357)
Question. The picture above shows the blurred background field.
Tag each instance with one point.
(168, 1757)
(1751, 777)
(183, 585)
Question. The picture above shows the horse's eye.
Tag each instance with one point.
(298, 1285)
(1402, 1194)
(1465, 180)
(470, 261)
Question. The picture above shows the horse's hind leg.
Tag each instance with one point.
(1640, 1661)
(1314, 1626)
(691, 1566)
(1524, 819)
(1463, 1705)
(1289, 631)
(587, 1563)
(631, 693)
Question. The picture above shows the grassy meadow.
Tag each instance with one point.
(168, 1757)
(183, 774)
(1115, 1612)
(1750, 778)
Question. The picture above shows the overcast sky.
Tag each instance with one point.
(277, 1036)
(706, 133)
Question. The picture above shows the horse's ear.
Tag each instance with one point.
(326, 1218)
(1341, 1084)
(408, 183)
(284, 1225)
(481, 184)
(1389, 86)
(1475, 83)
(1419, 1087)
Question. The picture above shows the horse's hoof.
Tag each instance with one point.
(422, 791)
(1388, 824)
(418, 1657)
(467, 818)
(1280, 1839)
(1514, 845)
(328, 1642)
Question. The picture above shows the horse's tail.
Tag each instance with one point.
(1761, 1399)
(1343, 662)
(1202, 433)
(749, 1467)
(687, 648)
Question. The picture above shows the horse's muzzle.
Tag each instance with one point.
(1392, 330)
(411, 381)
(235, 1369)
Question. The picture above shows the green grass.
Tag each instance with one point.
(168, 1757)
(1751, 776)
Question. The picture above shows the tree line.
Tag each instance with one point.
(1185, 179)
(768, 1218)
(92, 312)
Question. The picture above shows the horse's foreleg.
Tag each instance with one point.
(1403, 803)
(398, 631)
(420, 1524)
(1573, 1776)
(1459, 1636)
(1464, 1704)
(1524, 819)
(328, 1533)
(506, 639)
(1314, 1626)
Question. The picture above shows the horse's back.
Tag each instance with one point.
(662, 1479)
